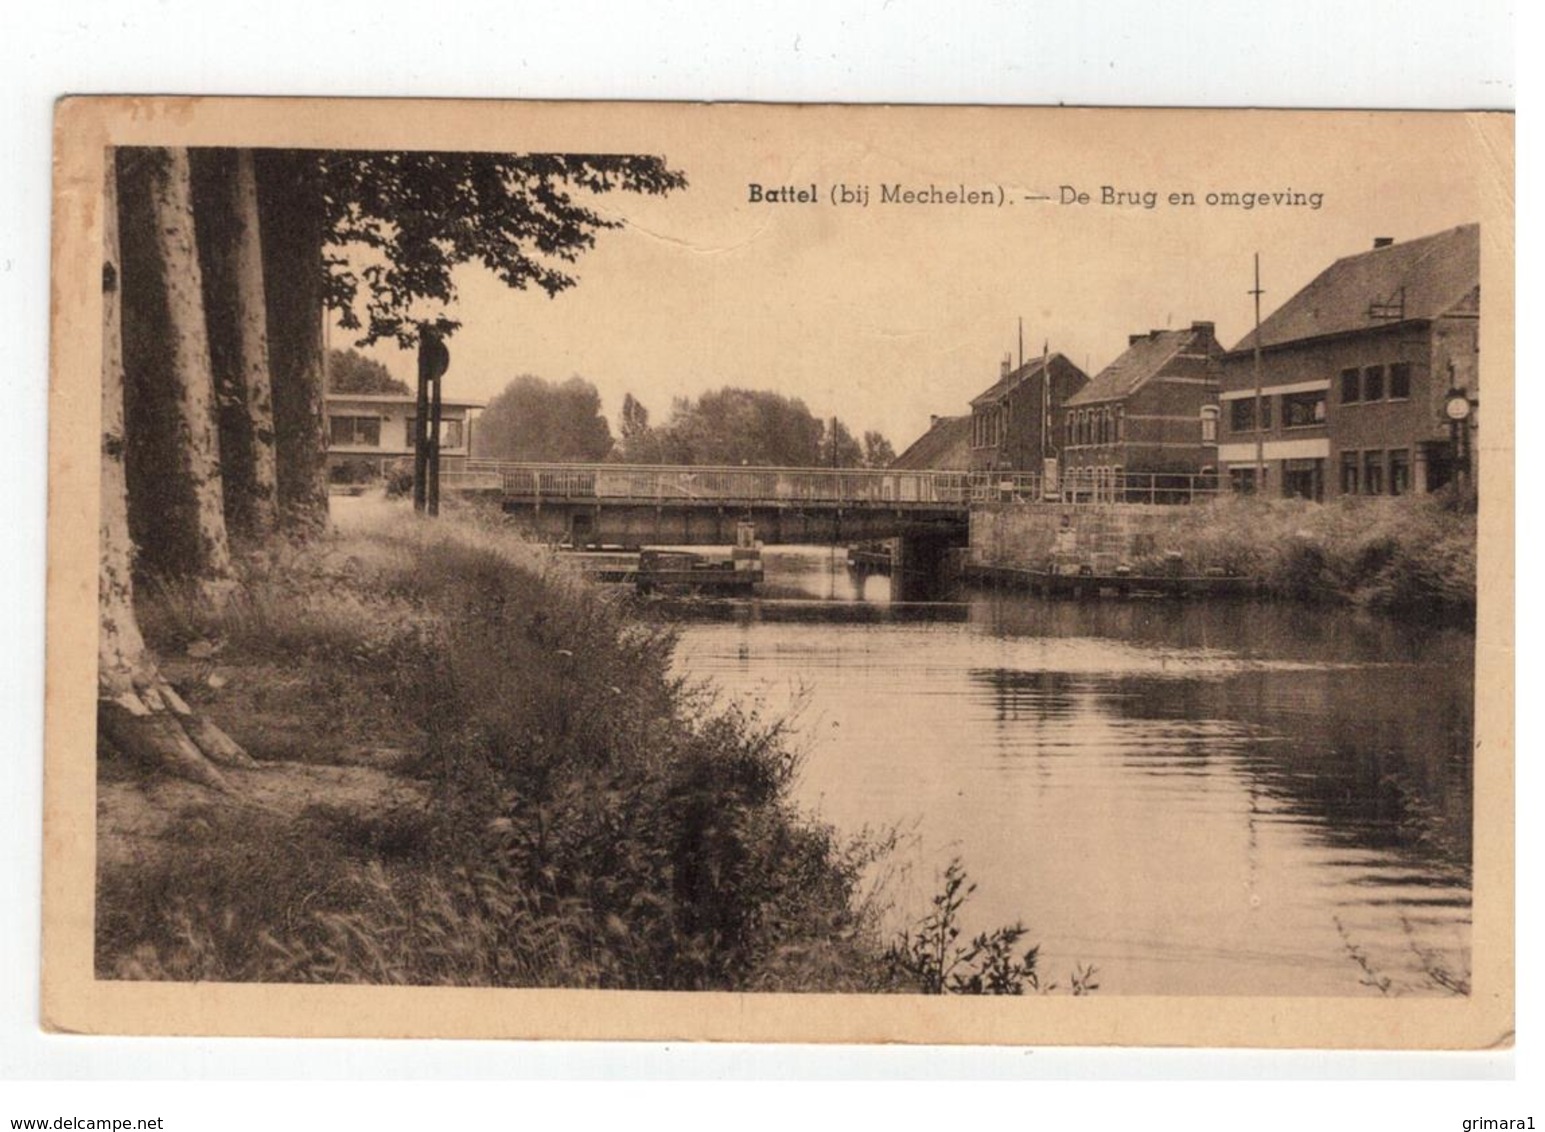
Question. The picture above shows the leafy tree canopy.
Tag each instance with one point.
(525, 217)
(759, 428)
(878, 452)
(536, 420)
(349, 371)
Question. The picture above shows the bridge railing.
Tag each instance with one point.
(1100, 485)
(637, 483)
(643, 483)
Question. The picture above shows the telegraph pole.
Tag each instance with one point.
(1260, 435)
(433, 360)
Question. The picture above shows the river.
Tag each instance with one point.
(1196, 798)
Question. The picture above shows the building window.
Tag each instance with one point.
(1209, 424)
(354, 432)
(1266, 412)
(1373, 383)
(1072, 427)
(1303, 479)
(1241, 481)
(1303, 410)
(1349, 473)
(1373, 472)
(1241, 415)
(1399, 471)
(1351, 386)
(453, 433)
(1400, 381)
(1121, 425)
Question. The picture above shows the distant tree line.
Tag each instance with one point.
(536, 420)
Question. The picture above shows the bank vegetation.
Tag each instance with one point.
(472, 768)
(1407, 554)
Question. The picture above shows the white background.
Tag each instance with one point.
(1373, 53)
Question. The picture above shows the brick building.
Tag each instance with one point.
(1362, 374)
(1150, 416)
(1009, 420)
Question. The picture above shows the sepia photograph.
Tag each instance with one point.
(781, 573)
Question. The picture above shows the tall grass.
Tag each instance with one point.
(590, 821)
(1413, 553)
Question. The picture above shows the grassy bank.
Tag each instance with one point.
(1411, 553)
(476, 769)
(564, 811)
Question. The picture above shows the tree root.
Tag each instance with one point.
(155, 727)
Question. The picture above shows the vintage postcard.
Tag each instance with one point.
(781, 573)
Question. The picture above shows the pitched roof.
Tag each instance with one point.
(946, 446)
(1143, 358)
(1011, 379)
(1420, 279)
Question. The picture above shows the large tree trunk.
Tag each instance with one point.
(292, 221)
(231, 258)
(176, 497)
(138, 713)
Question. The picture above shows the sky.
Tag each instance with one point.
(887, 314)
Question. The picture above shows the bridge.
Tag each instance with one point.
(669, 505)
(682, 505)
(926, 512)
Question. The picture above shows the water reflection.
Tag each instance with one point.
(1199, 798)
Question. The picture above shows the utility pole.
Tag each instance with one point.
(433, 360)
(1260, 435)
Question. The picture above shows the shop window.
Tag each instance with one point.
(1349, 462)
(1373, 472)
(354, 432)
(1400, 381)
(1351, 386)
(1303, 410)
(1373, 383)
(1399, 471)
